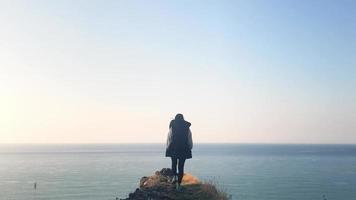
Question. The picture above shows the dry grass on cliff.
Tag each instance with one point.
(214, 190)
(158, 186)
(201, 191)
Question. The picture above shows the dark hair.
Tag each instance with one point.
(179, 117)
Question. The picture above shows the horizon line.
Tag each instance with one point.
(163, 143)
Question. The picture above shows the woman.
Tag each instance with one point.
(179, 145)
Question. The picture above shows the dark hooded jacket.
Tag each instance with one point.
(179, 146)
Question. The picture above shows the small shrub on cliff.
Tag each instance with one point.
(214, 191)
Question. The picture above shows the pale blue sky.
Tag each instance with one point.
(118, 71)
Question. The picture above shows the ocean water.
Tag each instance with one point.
(246, 171)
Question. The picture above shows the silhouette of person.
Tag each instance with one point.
(179, 145)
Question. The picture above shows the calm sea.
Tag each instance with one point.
(246, 171)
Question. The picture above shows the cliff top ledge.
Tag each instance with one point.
(160, 187)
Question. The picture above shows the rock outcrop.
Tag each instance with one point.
(160, 187)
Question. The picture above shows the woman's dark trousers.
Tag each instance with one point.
(180, 163)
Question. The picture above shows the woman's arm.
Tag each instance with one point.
(169, 138)
(190, 139)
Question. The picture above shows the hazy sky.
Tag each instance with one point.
(118, 71)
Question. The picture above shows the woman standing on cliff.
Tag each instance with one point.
(179, 145)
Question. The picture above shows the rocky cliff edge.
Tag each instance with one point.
(161, 187)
